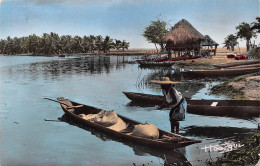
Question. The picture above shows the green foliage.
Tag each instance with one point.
(155, 32)
(52, 43)
(230, 42)
(230, 91)
(125, 45)
(246, 155)
(245, 32)
(256, 25)
(107, 44)
(254, 53)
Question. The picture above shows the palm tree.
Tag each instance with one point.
(92, 43)
(8, 47)
(118, 44)
(55, 40)
(33, 43)
(256, 25)
(23, 44)
(107, 44)
(99, 41)
(16, 45)
(125, 45)
(45, 44)
(2, 44)
(52, 43)
(245, 32)
(230, 42)
(68, 42)
(77, 44)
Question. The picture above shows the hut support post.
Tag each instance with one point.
(170, 54)
(208, 52)
(215, 50)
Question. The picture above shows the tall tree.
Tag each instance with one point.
(256, 25)
(230, 42)
(125, 45)
(33, 43)
(155, 32)
(107, 44)
(99, 41)
(118, 44)
(52, 43)
(8, 47)
(246, 32)
(92, 43)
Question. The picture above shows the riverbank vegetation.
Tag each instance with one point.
(254, 53)
(228, 90)
(245, 155)
(52, 43)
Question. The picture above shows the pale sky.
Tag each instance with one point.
(123, 19)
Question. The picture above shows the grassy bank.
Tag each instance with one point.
(245, 155)
(255, 53)
(230, 91)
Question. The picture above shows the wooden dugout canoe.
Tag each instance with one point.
(73, 109)
(223, 65)
(151, 63)
(231, 108)
(222, 72)
(244, 66)
(164, 62)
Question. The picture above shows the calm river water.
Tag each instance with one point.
(27, 139)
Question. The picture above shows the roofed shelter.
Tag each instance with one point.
(183, 39)
(208, 42)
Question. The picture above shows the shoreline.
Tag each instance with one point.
(248, 154)
(111, 53)
(238, 87)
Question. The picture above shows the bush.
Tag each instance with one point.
(254, 53)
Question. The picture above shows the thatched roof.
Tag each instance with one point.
(183, 34)
(208, 41)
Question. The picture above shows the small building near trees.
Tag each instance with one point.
(207, 46)
(185, 40)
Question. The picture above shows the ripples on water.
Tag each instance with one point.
(25, 138)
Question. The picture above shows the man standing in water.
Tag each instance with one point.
(174, 100)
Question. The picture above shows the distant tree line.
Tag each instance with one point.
(54, 44)
(244, 31)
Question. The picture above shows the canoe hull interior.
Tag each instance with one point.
(157, 143)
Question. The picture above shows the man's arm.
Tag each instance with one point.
(163, 105)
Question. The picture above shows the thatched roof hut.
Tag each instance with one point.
(208, 41)
(183, 36)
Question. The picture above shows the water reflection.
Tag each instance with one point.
(169, 157)
(187, 87)
(87, 65)
(218, 132)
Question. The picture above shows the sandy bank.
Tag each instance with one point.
(250, 86)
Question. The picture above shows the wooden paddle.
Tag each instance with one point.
(68, 106)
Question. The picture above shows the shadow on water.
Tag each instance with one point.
(140, 104)
(215, 132)
(170, 157)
